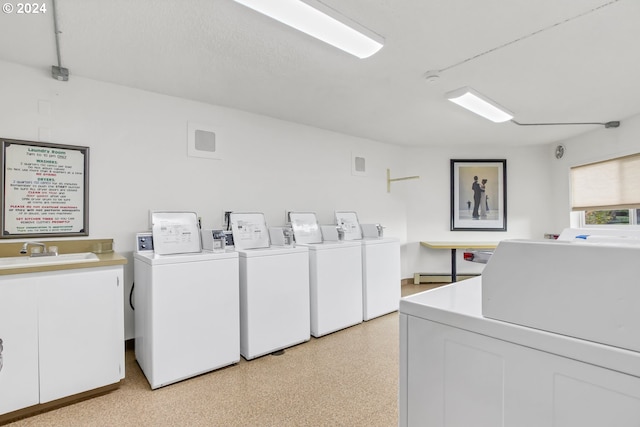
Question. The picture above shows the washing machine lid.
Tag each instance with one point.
(249, 230)
(175, 232)
(330, 245)
(271, 251)
(378, 241)
(305, 227)
(157, 259)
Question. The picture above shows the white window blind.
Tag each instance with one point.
(611, 184)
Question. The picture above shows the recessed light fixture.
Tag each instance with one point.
(322, 22)
(481, 105)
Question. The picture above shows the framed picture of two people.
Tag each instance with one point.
(478, 195)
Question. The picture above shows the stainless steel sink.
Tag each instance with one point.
(27, 261)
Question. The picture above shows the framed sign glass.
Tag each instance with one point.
(45, 189)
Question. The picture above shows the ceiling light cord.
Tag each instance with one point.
(612, 124)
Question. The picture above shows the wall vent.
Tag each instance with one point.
(202, 141)
(358, 165)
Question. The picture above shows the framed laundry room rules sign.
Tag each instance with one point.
(45, 189)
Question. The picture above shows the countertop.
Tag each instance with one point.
(101, 247)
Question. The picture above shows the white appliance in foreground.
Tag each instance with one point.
(186, 314)
(572, 287)
(274, 299)
(458, 368)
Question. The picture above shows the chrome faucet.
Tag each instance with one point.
(44, 251)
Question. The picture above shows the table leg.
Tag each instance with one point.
(454, 277)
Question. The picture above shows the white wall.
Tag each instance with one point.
(597, 145)
(428, 206)
(138, 158)
(138, 143)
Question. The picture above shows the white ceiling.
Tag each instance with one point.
(545, 60)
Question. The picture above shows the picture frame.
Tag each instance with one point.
(478, 206)
(44, 189)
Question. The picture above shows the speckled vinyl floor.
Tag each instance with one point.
(348, 378)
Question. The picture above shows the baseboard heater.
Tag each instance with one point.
(420, 278)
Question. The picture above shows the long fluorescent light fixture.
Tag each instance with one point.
(481, 105)
(322, 22)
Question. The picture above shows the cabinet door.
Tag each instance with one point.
(80, 331)
(456, 378)
(19, 334)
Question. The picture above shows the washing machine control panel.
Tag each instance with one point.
(144, 242)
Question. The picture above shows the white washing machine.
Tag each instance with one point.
(380, 276)
(335, 280)
(380, 265)
(274, 299)
(335, 276)
(187, 319)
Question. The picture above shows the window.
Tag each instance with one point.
(611, 217)
(611, 184)
(606, 193)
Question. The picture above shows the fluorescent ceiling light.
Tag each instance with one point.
(320, 21)
(479, 104)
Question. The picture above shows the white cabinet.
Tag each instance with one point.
(81, 331)
(460, 378)
(19, 334)
(458, 368)
(63, 334)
